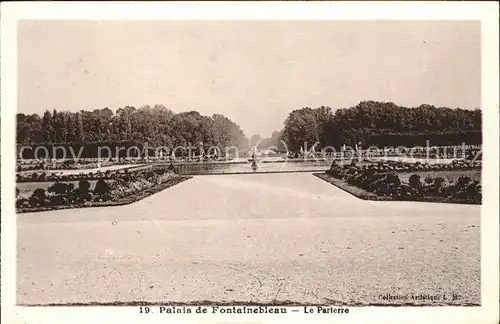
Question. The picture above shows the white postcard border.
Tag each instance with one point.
(486, 12)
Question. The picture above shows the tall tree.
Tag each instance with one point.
(47, 127)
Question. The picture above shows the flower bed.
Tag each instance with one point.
(125, 190)
(401, 166)
(382, 182)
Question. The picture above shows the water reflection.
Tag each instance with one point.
(251, 167)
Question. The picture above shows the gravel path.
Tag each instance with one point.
(252, 238)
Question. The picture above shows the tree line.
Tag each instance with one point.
(157, 126)
(368, 123)
(381, 124)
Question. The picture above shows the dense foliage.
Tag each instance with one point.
(382, 124)
(157, 126)
(368, 123)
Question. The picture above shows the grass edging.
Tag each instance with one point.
(111, 203)
(366, 195)
(353, 190)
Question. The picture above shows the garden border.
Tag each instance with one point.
(365, 195)
(112, 203)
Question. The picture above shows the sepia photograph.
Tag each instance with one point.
(248, 166)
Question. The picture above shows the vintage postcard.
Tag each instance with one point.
(250, 162)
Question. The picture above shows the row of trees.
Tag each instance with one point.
(368, 123)
(381, 124)
(155, 125)
(274, 142)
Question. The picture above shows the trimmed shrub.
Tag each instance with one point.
(61, 189)
(463, 182)
(414, 181)
(38, 197)
(439, 182)
(101, 188)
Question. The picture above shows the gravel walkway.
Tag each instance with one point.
(261, 238)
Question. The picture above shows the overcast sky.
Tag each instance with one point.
(253, 72)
